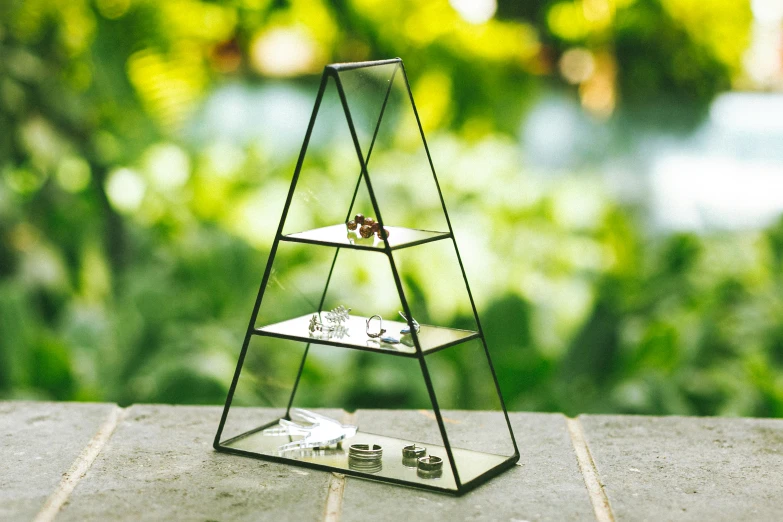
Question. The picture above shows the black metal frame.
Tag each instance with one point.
(333, 71)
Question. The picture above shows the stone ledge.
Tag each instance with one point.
(159, 464)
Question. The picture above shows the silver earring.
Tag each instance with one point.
(407, 329)
(380, 332)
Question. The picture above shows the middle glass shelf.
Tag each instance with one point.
(432, 338)
(339, 236)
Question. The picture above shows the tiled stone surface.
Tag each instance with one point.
(685, 468)
(545, 485)
(160, 465)
(39, 443)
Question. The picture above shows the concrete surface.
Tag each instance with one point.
(160, 465)
(40, 442)
(684, 468)
(99, 462)
(545, 485)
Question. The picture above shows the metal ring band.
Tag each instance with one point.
(365, 451)
(430, 463)
(410, 462)
(413, 451)
(429, 474)
(368, 466)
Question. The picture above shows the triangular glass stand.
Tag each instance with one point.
(365, 111)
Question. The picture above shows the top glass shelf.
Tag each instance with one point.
(340, 236)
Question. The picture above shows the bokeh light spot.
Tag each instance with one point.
(125, 189)
(167, 166)
(112, 9)
(73, 174)
(475, 11)
(577, 65)
(284, 51)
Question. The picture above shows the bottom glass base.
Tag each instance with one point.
(473, 467)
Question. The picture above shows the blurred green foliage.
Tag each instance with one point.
(132, 242)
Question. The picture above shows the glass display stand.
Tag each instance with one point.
(367, 95)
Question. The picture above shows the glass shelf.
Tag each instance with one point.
(472, 464)
(432, 338)
(340, 236)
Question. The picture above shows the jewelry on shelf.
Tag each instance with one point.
(365, 452)
(430, 463)
(430, 467)
(365, 231)
(366, 227)
(332, 332)
(338, 315)
(380, 332)
(411, 455)
(407, 329)
(366, 466)
(318, 431)
(333, 327)
(414, 451)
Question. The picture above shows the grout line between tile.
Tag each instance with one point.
(80, 466)
(334, 498)
(595, 490)
(336, 488)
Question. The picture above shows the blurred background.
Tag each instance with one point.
(613, 171)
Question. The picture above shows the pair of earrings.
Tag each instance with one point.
(427, 466)
(367, 227)
(333, 325)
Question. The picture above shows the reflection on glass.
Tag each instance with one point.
(338, 235)
(355, 335)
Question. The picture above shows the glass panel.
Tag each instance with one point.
(266, 382)
(434, 285)
(366, 89)
(352, 380)
(360, 282)
(330, 170)
(296, 282)
(399, 168)
(471, 408)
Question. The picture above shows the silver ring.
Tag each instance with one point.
(380, 327)
(413, 451)
(430, 464)
(429, 474)
(366, 466)
(365, 452)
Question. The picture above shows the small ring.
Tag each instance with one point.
(375, 335)
(365, 466)
(413, 451)
(429, 474)
(430, 463)
(365, 452)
